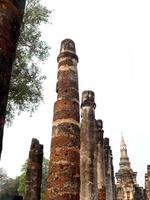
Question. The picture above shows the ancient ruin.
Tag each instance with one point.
(88, 164)
(34, 171)
(81, 160)
(80, 164)
(63, 178)
(11, 13)
(127, 187)
(100, 161)
(147, 183)
(109, 171)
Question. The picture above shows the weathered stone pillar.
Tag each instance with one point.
(11, 13)
(109, 172)
(34, 171)
(63, 177)
(113, 177)
(100, 161)
(147, 183)
(88, 175)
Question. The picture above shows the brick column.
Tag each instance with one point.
(147, 183)
(34, 171)
(100, 161)
(88, 176)
(63, 177)
(109, 171)
(11, 13)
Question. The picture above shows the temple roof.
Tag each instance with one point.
(124, 159)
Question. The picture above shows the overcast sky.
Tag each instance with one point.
(113, 45)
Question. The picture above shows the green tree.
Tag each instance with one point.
(3, 178)
(22, 177)
(8, 186)
(26, 80)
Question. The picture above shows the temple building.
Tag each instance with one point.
(126, 186)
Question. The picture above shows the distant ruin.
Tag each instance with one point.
(34, 171)
(81, 160)
(126, 186)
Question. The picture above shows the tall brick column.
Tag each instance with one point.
(100, 161)
(147, 183)
(88, 176)
(11, 13)
(34, 171)
(63, 177)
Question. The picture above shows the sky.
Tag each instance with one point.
(113, 45)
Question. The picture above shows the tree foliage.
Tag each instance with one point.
(3, 178)
(22, 177)
(26, 80)
(8, 186)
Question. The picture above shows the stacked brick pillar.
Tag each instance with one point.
(34, 171)
(11, 13)
(63, 177)
(147, 183)
(77, 162)
(100, 161)
(109, 171)
(88, 172)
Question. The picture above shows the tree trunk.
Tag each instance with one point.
(11, 13)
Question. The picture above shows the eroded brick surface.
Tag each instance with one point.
(109, 171)
(65, 140)
(63, 176)
(66, 104)
(67, 74)
(65, 154)
(101, 194)
(69, 93)
(66, 114)
(88, 176)
(67, 196)
(66, 84)
(147, 183)
(66, 129)
(34, 171)
(100, 160)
